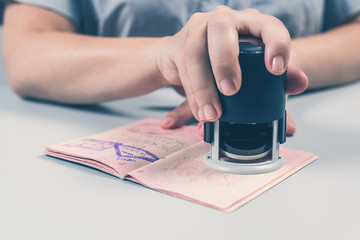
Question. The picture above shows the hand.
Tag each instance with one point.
(296, 83)
(203, 55)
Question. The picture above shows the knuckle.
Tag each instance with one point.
(283, 38)
(218, 21)
(204, 90)
(224, 62)
(196, 17)
(274, 20)
(283, 42)
(202, 93)
(252, 11)
(191, 97)
(221, 8)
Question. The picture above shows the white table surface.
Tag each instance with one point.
(46, 198)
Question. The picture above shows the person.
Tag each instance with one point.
(90, 51)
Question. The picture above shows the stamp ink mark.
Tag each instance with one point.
(130, 152)
(168, 144)
(126, 152)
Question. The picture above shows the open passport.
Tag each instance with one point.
(172, 162)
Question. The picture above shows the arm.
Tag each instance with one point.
(45, 59)
(330, 58)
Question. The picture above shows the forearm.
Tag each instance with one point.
(329, 58)
(68, 67)
(45, 59)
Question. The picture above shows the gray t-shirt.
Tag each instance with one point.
(166, 17)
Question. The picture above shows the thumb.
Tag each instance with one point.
(296, 81)
(177, 117)
(290, 125)
(200, 129)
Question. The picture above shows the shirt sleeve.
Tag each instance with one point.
(67, 8)
(337, 12)
(2, 8)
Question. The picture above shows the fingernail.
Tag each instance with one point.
(167, 122)
(227, 86)
(278, 64)
(210, 112)
(201, 115)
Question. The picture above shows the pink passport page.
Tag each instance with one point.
(172, 162)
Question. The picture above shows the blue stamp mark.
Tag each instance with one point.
(130, 152)
(167, 144)
(124, 152)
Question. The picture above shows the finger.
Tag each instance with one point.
(223, 48)
(200, 77)
(180, 59)
(296, 81)
(274, 35)
(200, 129)
(204, 89)
(189, 92)
(177, 117)
(290, 124)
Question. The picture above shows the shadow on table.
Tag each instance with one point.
(159, 108)
(92, 108)
(85, 168)
(330, 88)
(191, 121)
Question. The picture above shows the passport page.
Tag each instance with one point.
(172, 162)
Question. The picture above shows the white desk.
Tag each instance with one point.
(46, 198)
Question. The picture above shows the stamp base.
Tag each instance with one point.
(244, 168)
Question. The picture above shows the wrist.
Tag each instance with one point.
(165, 63)
(154, 51)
